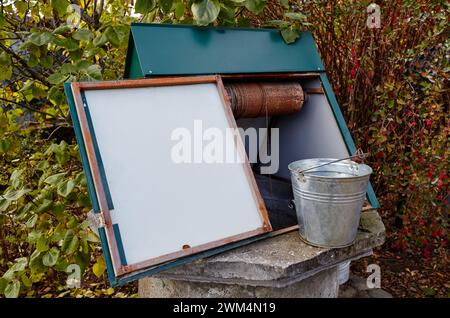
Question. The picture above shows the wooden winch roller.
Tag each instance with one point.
(258, 99)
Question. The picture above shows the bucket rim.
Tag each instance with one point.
(311, 173)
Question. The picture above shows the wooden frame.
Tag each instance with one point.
(114, 245)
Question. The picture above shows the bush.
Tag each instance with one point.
(393, 85)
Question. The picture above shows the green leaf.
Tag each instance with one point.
(21, 6)
(36, 261)
(60, 6)
(5, 73)
(205, 11)
(290, 35)
(12, 289)
(18, 266)
(285, 3)
(83, 260)
(56, 97)
(295, 16)
(32, 61)
(2, 23)
(112, 36)
(82, 35)
(65, 187)
(70, 242)
(62, 29)
(54, 179)
(46, 61)
(165, 5)
(67, 68)
(57, 78)
(94, 71)
(255, 6)
(144, 6)
(62, 157)
(180, 8)
(82, 65)
(99, 267)
(38, 92)
(80, 179)
(31, 222)
(23, 211)
(4, 204)
(84, 246)
(92, 237)
(5, 145)
(13, 195)
(100, 39)
(15, 178)
(72, 222)
(26, 280)
(33, 236)
(58, 234)
(61, 265)
(42, 244)
(226, 13)
(5, 59)
(429, 291)
(40, 38)
(3, 283)
(69, 44)
(51, 257)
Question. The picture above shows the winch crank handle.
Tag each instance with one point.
(301, 177)
(360, 155)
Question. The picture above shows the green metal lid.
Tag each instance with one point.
(164, 49)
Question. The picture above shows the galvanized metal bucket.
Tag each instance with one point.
(328, 199)
(343, 272)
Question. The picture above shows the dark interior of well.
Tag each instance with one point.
(310, 132)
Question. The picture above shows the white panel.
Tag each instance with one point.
(311, 133)
(160, 205)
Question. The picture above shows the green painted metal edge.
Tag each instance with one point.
(97, 153)
(108, 261)
(132, 63)
(351, 147)
(167, 49)
(82, 148)
(187, 259)
(123, 259)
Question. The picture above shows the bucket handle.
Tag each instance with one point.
(358, 154)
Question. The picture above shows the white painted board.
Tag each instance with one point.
(161, 205)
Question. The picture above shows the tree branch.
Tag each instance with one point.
(22, 62)
(91, 21)
(29, 108)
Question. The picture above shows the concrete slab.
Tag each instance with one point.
(322, 285)
(273, 264)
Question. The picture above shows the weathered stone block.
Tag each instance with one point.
(282, 266)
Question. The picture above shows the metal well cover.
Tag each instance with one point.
(163, 49)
